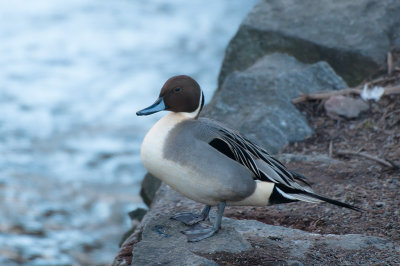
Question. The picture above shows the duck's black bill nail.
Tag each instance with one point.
(157, 106)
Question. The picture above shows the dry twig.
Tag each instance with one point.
(357, 90)
(390, 63)
(392, 90)
(384, 162)
(324, 95)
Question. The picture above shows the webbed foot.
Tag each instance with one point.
(199, 232)
(202, 231)
(190, 218)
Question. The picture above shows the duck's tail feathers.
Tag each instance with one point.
(308, 196)
(334, 202)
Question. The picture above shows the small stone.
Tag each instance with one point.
(137, 214)
(348, 107)
(379, 204)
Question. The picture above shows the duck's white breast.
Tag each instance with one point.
(151, 151)
(181, 178)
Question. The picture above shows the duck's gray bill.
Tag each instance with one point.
(157, 106)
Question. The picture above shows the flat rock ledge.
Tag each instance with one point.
(158, 241)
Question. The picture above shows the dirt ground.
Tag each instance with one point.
(353, 179)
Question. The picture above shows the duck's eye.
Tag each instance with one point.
(178, 89)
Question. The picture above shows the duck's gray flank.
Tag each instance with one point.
(232, 181)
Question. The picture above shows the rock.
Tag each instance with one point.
(136, 217)
(161, 242)
(150, 185)
(257, 100)
(137, 214)
(348, 107)
(352, 36)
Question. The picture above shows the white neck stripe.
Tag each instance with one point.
(196, 112)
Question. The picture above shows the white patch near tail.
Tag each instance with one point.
(260, 196)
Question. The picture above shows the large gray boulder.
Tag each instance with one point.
(257, 100)
(352, 36)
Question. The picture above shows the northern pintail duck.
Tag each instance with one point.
(213, 164)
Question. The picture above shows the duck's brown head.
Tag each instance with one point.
(180, 94)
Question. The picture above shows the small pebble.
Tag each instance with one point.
(379, 204)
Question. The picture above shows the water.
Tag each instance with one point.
(72, 75)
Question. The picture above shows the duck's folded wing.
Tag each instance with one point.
(264, 166)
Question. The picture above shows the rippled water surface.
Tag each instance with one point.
(72, 75)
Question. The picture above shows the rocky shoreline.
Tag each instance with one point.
(282, 49)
